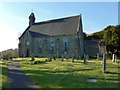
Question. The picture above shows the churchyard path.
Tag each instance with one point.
(17, 78)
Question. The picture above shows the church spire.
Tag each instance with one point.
(31, 19)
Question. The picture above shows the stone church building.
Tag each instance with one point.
(53, 38)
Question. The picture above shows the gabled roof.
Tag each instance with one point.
(34, 34)
(62, 26)
(24, 31)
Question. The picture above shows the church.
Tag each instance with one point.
(53, 38)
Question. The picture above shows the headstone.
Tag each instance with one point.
(92, 80)
(73, 58)
(84, 59)
(98, 56)
(87, 57)
(113, 58)
(54, 58)
(70, 65)
(79, 57)
(50, 59)
(62, 57)
(32, 58)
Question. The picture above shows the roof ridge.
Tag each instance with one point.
(57, 19)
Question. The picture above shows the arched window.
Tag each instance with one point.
(65, 44)
(52, 45)
(40, 46)
(27, 43)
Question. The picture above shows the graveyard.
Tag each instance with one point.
(68, 74)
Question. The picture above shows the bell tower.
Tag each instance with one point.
(31, 19)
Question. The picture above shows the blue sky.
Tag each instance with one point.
(14, 17)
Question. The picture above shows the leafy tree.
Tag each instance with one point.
(112, 37)
(110, 34)
(9, 54)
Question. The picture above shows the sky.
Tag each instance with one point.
(14, 17)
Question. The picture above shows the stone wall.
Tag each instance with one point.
(91, 47)
(42, 46)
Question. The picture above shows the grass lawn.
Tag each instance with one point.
(58, 74)
(3, 74)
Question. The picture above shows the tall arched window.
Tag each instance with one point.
(52, 45)
(65, 44)
(40, 46)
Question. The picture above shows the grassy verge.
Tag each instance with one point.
(3, 74)
(4, 83)
(58, 74)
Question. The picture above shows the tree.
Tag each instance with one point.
(112, 37)
(9, 54)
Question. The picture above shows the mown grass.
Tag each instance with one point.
(58, 74)
(4, 83)
(3, 74)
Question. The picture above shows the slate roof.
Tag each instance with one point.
(62, 26)
(34, 34)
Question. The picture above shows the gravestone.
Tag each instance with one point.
(73, 58)
(84, 59)
(87, 57)
(97, 56)
(92, 80)
(113, 58)
(62, 57)
(32, 57)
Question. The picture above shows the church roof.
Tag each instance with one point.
(34, 34)
(62, 26)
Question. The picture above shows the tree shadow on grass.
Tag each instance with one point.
(50, 79)
(108, 72)
(72, 70)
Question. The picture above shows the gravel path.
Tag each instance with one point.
(18, 79)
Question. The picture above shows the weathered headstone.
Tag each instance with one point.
(54, 58)
(32, 57)
(113, 58)
(87, 57)
(84, 59)
(62, 57)
(97, 56)
(50, 59)
(73, 58)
